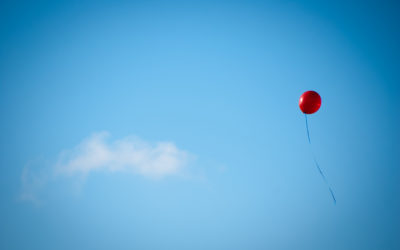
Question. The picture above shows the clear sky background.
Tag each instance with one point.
(205, 95)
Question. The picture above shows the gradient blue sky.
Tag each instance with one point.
(221, 81)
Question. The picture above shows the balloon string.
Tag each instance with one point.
(308, 132)
(317, 165)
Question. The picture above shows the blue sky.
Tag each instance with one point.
(175, 125)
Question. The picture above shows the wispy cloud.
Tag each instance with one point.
(31, 183)
(98, 153)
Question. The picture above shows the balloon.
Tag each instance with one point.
(310, 102)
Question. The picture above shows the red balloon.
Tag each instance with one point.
(310, 102)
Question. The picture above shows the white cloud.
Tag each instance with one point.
(97, 153)
(129, 154)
